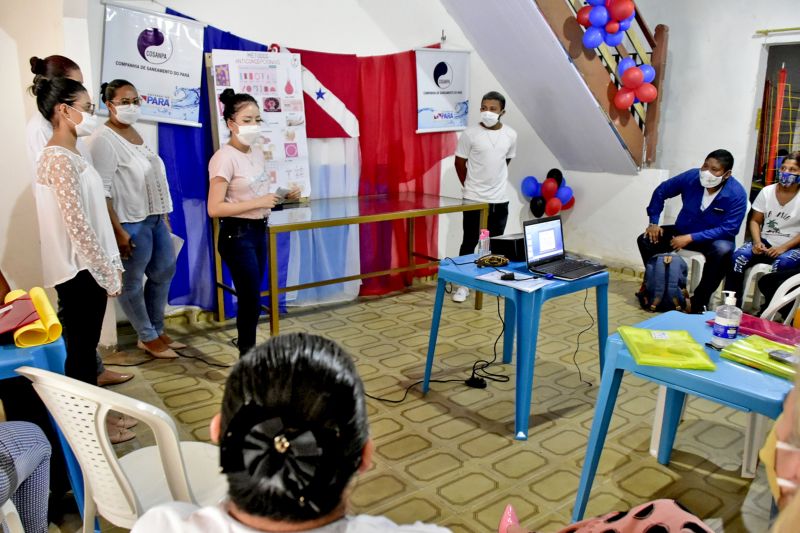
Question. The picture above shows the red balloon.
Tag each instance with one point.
(646, 92)
(633, 78)
(621, 9)
(583, 16)
(549, 188)
(612, 27)
(553, 207)
(624, 98)
(569, 204)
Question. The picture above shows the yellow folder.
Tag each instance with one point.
(673, 349)
(43, 331)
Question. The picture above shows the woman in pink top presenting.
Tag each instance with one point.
(239, 195)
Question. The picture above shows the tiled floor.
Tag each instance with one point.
(450, 457)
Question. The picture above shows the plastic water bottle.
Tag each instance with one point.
(726, 323)
(483, 244)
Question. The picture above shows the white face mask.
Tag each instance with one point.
(248, 133)
(86, 126)
(128, 114)
(489, 119)
(709, 180)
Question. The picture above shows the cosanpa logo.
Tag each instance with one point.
(443, 75)
(154, 46)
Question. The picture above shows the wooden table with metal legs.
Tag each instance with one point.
(330, 212)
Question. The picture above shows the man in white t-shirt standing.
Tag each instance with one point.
(482, 158)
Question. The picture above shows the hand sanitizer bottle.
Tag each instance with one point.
(483, 244)
(726, 323)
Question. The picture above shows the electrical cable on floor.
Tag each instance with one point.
(408, 389)
(184, 356)
(578, 340)
(480, 374)
(476, 380)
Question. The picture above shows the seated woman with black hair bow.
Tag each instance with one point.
(293, 432)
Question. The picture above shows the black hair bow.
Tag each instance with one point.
(269, 451)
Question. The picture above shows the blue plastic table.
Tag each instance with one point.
(522, 310)
(731, 384)
(47, 357)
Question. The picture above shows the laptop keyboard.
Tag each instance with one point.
(563, 267)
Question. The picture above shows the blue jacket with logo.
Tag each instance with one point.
(720, 221)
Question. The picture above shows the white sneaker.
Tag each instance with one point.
(461, 294)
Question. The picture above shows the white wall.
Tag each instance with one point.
(20, 256)
(715, 76)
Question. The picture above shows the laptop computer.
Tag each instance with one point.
(544, 251)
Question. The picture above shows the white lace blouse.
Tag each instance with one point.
(133, 175)
(74, 225)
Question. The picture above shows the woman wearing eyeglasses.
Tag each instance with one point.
(139, 202)
(79, 252)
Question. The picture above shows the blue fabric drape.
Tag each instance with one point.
(186, 152)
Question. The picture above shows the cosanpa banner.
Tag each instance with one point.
(442, 89)
(162, 56)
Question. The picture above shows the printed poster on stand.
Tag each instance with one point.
(162, 56)
(275, 81)
(442, 89)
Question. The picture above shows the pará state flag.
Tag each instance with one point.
(330, 87)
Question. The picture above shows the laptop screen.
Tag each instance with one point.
(543, 240)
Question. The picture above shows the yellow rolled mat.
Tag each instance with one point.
(43, 331)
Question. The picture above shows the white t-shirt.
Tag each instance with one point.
(178, 517)
(74, 226)
(246, 175)
(38, 132)
(486, 152)
(708, 197)
(781, 222)
(133, 175)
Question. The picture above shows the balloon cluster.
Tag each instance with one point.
(636, 84)
(550, 196)
(606, 21)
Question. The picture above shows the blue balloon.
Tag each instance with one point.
(592, 37)
(624, 25)
(636, 100)
(614, 39)
(598, 16)
(597, 2)
(649, 73)
(564, 194)
(563, 182)
(530, 187)
(624, 64)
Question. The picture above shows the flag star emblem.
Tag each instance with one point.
(320, 94)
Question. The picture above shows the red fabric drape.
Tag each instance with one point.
(394, 158)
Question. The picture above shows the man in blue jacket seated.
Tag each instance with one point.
(714, 205)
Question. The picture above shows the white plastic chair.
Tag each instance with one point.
(696, 262)
(788, 292)
(751, 277)
(9, 515)
(122, 489)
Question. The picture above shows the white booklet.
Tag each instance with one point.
(524, 282)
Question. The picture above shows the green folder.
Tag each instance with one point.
(671, 348)
(753, 351)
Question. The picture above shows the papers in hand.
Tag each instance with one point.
(282, 193)
(527, 283)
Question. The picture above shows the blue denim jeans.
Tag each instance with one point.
(243, 246)
(744, 258)
(153, 256)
